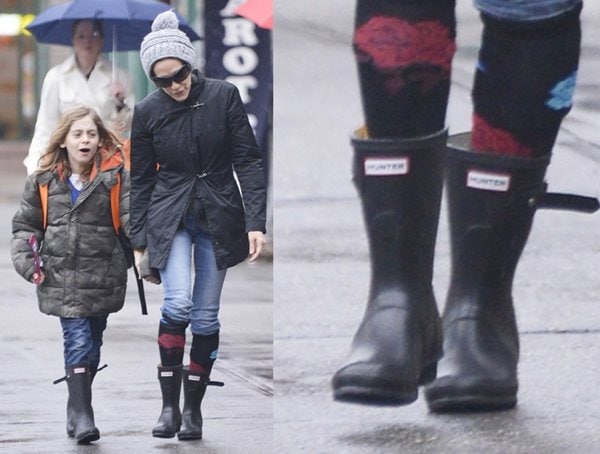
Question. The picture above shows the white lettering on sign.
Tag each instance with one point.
(386, 166)
(240, 59)
(230, 8)
(253, 120)
(488, 181)
(239, 32)
(244, 84)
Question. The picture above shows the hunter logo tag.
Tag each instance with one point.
(488, 181)
(386, 166)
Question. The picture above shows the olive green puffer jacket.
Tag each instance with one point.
(83, 262)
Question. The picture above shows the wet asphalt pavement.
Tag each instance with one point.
(322, 267)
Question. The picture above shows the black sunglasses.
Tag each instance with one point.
(178, 77)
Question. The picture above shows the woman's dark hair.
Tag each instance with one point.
(96, 26)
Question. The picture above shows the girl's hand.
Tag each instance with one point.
(257, 241)
(37, 278)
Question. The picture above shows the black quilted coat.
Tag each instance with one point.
(181, 150)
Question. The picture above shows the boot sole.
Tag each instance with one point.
(185, 437)
(379, 391)
(161, 434)
(473, 403)
(88, 437)
(447, 396)
(373, 396)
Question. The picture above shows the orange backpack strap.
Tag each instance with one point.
(44, 200)
(126, 149)
(114, 204)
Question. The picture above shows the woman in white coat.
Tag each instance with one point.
(84, 78)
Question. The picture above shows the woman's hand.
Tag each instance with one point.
(257, 241)
(117, 91)
(140, 257)
(137, 259)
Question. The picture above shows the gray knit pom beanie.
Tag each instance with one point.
(165, 41)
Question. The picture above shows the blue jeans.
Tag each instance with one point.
(197, 305)
(82, 339)
(525, 10)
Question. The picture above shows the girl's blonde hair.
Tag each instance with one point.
(56, 157)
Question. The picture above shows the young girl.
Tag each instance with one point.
(83, 272)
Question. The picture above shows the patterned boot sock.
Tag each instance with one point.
(204, 353)
(171, 343)
(404, 52)
(524, 83)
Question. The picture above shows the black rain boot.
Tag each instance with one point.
(194, 387)
(399, 339)
(70, 421)
(94, 369)
(491, 208)
(81, 414)
(70, 424)
(70, 418)
(169, 420)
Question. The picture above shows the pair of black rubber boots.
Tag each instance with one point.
(468, 357)
(186, 424)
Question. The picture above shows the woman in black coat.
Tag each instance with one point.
(187, 211)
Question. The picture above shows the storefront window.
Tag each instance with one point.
(17, 70)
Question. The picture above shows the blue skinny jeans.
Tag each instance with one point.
(192, 298)
(525, 10)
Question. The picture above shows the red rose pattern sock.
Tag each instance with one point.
(171, 343)
(404, 52)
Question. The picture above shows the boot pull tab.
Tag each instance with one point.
(58, 380)
(61, 379)
(570, 202)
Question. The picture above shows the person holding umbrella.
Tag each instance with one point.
(187, 138)
(84, 78)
